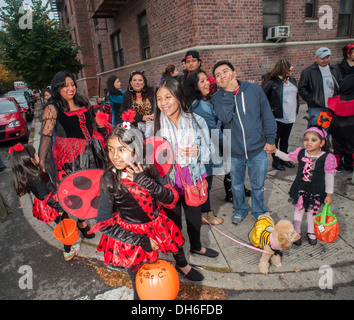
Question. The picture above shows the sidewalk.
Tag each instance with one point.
(236, 268)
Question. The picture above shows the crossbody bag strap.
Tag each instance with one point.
(181, 174)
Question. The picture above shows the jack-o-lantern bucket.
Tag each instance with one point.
(157, 281)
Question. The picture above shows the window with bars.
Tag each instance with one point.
(310, 9)
(144, 36)
(100, 57)
(345, 18)
(117, 48)
(273, 14)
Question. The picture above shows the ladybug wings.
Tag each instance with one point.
(78, 193)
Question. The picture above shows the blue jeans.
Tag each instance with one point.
(206, 205)
(257, 171)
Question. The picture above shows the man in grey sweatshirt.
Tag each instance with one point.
(244, 109)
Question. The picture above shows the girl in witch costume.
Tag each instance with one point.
(28, 177)
(130, 213)
(314, 182)
(77, 145)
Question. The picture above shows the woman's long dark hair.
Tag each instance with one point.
(58, 82)
(111, 179)
(281, 68)
(169, 70)
(111, 88)
(191, 88)
(24, 170)
(346, 53)
(177, 91)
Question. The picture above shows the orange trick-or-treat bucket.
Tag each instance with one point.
(66, 231)
(326, 225)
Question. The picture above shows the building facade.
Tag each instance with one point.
(126, 35)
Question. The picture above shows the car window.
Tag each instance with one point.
(7, 106)
(20, 99)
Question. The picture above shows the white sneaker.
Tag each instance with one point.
(75, 248)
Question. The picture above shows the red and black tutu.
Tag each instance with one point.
(162, 229)
(72, 154)
(43, 211)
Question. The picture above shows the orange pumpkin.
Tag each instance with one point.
(157, 281)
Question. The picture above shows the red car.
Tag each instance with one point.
(12, 120)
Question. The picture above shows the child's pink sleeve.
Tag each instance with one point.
(294, 155)
(330, 164)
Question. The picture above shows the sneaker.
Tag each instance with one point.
(75, 248)
(236, 220)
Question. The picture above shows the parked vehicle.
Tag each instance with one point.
(25, 101)
(13, 124)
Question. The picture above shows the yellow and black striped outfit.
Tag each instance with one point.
(259, 235)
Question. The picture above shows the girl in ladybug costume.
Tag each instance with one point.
(28, 177)
(130, 213)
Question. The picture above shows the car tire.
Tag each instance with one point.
(26, 136)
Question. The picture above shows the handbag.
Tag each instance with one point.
(196, 194)
(326, 225)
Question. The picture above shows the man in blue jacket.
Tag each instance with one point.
(244, 109)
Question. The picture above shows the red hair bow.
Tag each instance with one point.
(350, 47)
(128, 116)
(16, 147)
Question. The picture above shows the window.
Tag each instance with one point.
(310, 9)
(144, 36)
(100, 57)
(273, 14)
(345, 18)
(118, 57)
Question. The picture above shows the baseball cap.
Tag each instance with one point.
(323, 52)
(192, 54)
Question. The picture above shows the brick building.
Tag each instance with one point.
(125, 35)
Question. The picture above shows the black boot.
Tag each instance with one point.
(85, 230)
(287, 164)
(276, 163)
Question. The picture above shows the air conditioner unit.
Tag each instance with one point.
(278, 33)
